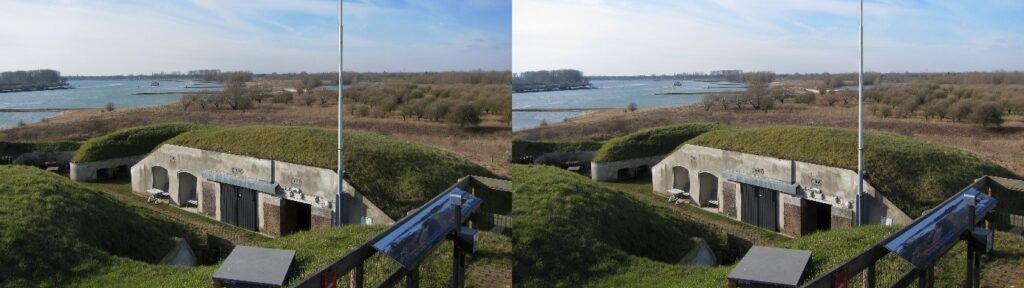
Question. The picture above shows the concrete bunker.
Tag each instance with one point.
(624, 174)
(187, 184)
(643, 172)
(121, 171)
(295, 216)
(103, 174)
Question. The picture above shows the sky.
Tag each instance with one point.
(105, 37)
(786, 36)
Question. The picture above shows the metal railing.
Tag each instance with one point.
(366, 266)
(866, 262)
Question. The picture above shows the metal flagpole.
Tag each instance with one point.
(860, 122)
(341, 120)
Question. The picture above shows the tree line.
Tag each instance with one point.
(41, 77)
(461, 104)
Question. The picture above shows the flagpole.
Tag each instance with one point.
(338, 221)
(860, 122)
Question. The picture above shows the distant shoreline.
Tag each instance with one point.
(560, 109)
(42, 109)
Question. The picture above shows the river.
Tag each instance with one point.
(616, 94)
(90, 94)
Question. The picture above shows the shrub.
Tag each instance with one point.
(464, 114)
(987, 114)
(14, 148)
(804, 98)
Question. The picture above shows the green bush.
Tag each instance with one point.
(15, 148)
(129, 142)
(396, 175)
(651, 142)
(913, 174)
(523, 148)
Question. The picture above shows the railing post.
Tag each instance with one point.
(356, 279)
(869, 276)
(457, 258)
(971, 254)
(412, 280)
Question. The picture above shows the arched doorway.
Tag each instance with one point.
(160, 180)
(624, 174)
(708, 188)
(643, 172)
(681, 178)
(187, 196)
(102, 174)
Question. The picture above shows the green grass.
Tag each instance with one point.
(569, 234)
(395, 175)
(570, 231)
(14, 148)
(56, 232)
(129, 142)
(651, 142)
(522, 148)
(53, 230)
(915, 175)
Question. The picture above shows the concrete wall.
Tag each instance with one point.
(823, 184)
(299, 183)
(86, 171)
(609, 171)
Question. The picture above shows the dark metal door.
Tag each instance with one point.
(247, 209)
(228, 204)
(760, 206)
(238, 206)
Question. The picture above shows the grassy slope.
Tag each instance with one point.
(548, 208)
(129, 141)
(651, 142)
(102, 243)
(12, 148)
(915, 175)
(521, 148)
(53, 230)
(570, 231)
(396, 175)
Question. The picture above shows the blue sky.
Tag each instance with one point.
(120, 37)
(644, 37)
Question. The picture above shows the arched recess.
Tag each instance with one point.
(681, 178)
(187, 189)
(160, 180)
(708, 188)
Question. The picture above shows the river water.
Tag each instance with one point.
(90, 94)
(610, 94)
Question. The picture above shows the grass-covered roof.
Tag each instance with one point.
(129, 141)
(14, 148)
(914, 174)
(650, 142)
(521, 148)
(56, 232)
(395, 175)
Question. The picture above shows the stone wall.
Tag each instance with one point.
(609, 171)
(299, 183)
(831, 185)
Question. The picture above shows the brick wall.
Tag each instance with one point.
(841, 218)
(792, 220)
(319, 218)
(209, 199)
(729, 198)
(271, 219)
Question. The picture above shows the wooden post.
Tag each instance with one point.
(869, 276)
(356, 281)
(412, 280)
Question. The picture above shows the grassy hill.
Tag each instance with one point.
(129, 142)
(914, 174)
(650, 142)
(396, 175)
(570, 231)
(521, 148)
(53, 230)
(56, 232)
(573, 233)
(13, 148)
